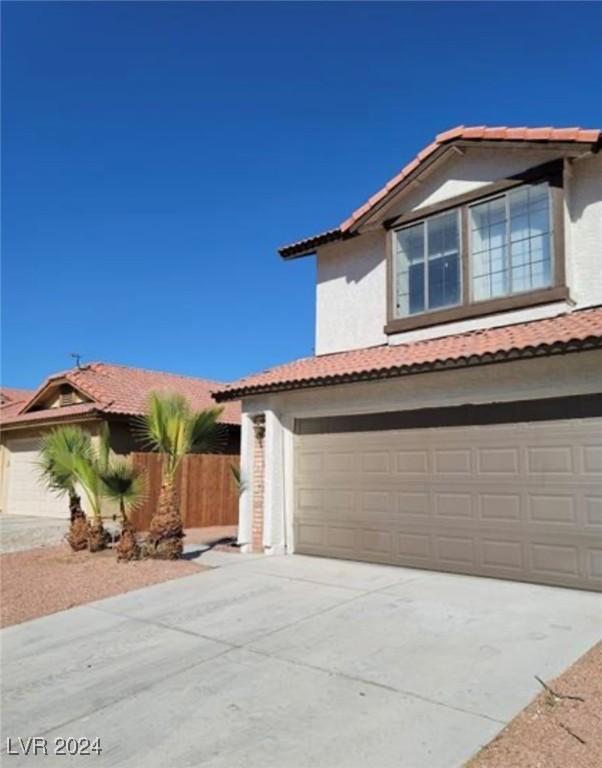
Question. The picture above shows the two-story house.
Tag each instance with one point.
(451, 417)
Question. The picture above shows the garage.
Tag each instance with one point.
(444, 491)
(26, 493)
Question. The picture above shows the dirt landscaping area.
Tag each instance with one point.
(561, 728)
(36, 582)
(41, 581)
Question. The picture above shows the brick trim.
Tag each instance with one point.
(258, 483)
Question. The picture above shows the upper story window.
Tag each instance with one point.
(488, 253)
(428, 265)
(511, 243)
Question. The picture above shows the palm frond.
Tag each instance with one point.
(238, 479)
(57, 452)
(172, 428)
(87, 472)
(124, 483)
(207, 434)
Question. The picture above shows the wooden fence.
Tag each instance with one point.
(207, 491)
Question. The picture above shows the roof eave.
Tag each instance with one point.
(390, 372)
(309, 245)
(457, 139)
(46, 420)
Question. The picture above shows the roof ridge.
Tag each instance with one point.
(103, 363)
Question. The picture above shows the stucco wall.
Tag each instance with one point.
(351, 275)
(350, 294)
(571, 374)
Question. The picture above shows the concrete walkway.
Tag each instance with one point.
(291, 662)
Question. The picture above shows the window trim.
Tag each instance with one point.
(552, 173)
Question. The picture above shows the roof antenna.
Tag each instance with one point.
(78, 361)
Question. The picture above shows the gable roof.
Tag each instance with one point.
(574, 331)
(117, 390)
(443, 141)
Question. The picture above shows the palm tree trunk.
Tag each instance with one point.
(78, 527)
(164, 540)
(127, 546)
(98, 537)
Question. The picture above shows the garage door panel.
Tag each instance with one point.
(594, 564)
(515, 501)
(591, 460)
(26, 492)
(593, 511)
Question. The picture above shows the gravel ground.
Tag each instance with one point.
(555, 732)
(42, 581)
(19, 532)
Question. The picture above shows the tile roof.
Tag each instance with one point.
(460, 133)
(14, 394)
(118, 389)
(580, 329)
(12, 400)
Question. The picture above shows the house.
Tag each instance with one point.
(88, 396)
(10, 396)
(451, 417)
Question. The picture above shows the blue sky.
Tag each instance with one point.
(155, 155)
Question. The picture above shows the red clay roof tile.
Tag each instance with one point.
(118, 389)
(581, 328)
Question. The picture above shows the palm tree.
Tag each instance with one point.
(88, 467)
(124, 483)
(174, 429)
(57, 453)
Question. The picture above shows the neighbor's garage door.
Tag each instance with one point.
(519, 501)
(26, 493)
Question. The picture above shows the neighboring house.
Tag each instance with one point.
(89, 396)
(451, 418)
(9, 396)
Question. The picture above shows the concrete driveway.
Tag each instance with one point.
(291, 662)
(19, 532)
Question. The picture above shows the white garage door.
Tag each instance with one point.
(519, 501)
(26, 493)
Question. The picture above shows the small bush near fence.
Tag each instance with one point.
(206, 489)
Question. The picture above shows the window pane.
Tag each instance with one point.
(498, 272)
(481, 288)
(416, 281)
(410, 270)
(444, 281)
(410, 246)
(519, 227)
(489, 249)
(527, 227)
(443, 261)
(530, 234)
(443, 234)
